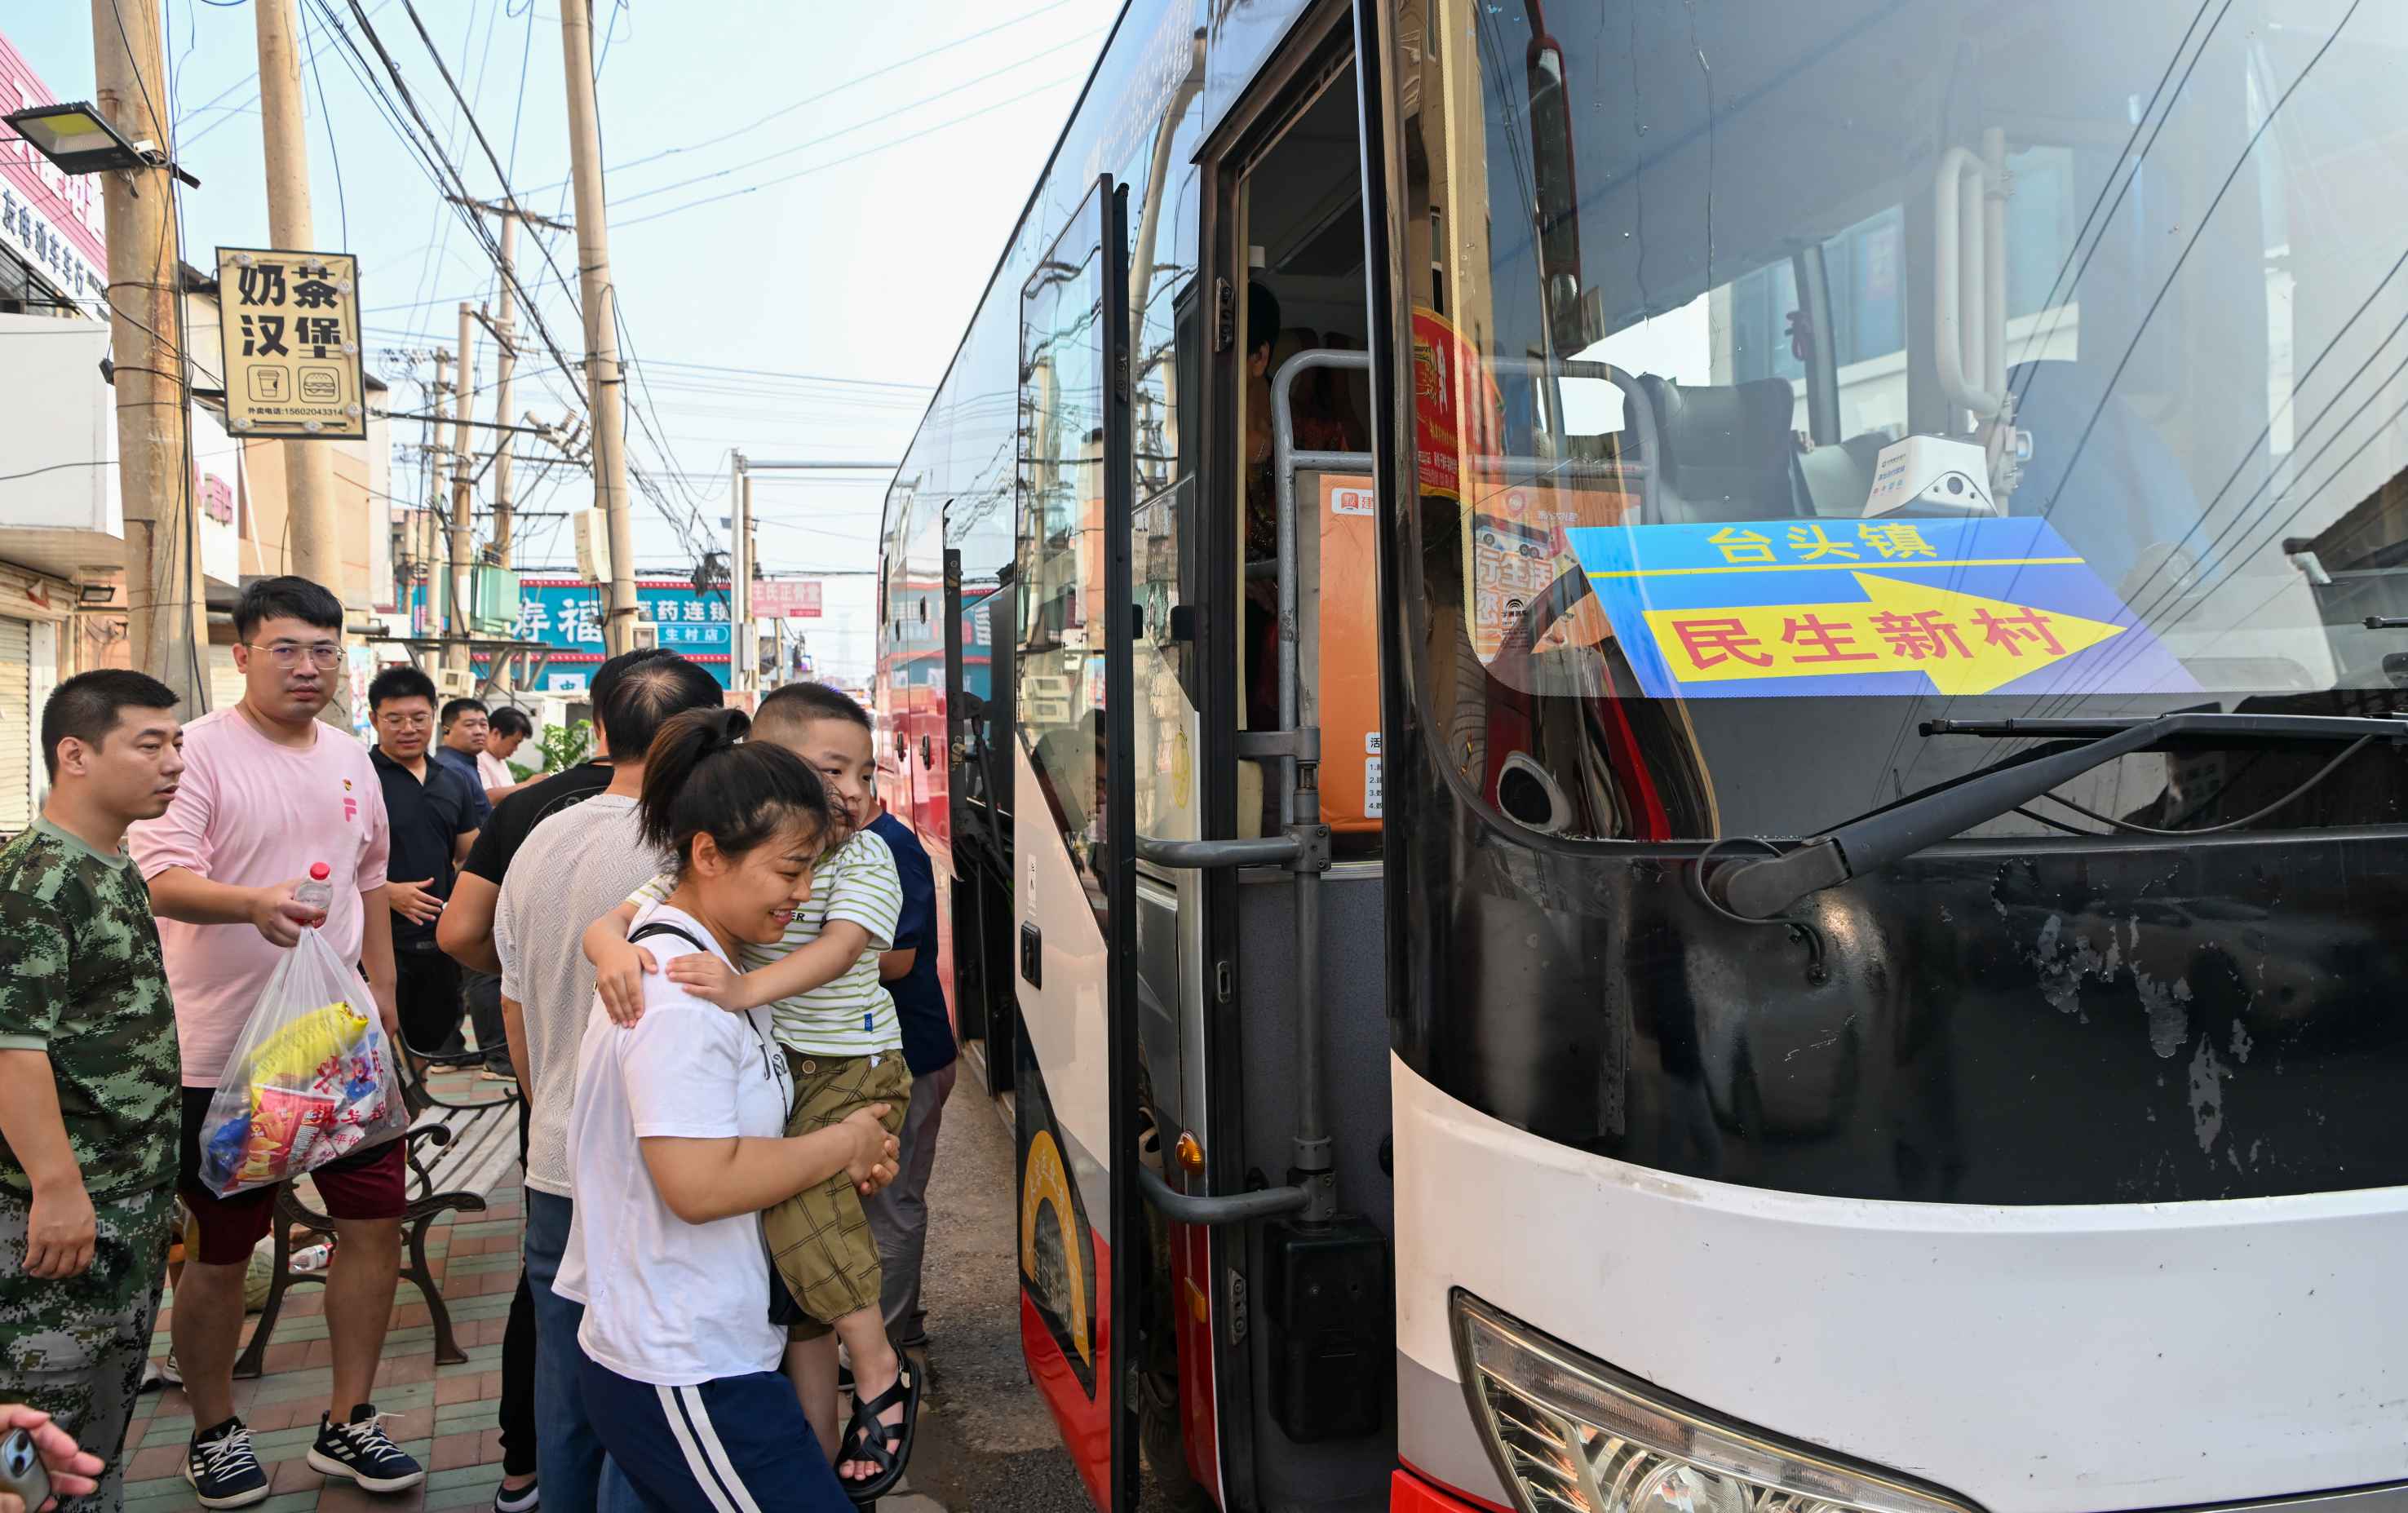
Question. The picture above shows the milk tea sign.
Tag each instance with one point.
(290, 325)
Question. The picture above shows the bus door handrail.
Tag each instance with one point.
(1209, 1210)
(1304, 849)
(1636, 411)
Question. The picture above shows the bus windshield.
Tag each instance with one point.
(1787, 376)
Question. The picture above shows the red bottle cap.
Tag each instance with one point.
(319, 872)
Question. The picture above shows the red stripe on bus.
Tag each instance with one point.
(1409, 1492)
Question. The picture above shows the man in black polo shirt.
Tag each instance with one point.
(433, 812)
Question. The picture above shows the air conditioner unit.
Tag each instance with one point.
(647, 635)
(455, 683)
(593, 546)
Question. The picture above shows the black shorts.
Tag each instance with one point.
(426, 989)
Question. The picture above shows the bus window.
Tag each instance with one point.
(1301, 212)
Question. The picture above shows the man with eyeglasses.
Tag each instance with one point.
(268, 792)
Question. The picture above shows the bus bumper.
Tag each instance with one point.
(2029, 1359)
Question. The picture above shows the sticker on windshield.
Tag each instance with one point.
(1821, 608)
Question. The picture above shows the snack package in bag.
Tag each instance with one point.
(311, 1080)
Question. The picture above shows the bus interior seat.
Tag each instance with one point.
(1838, 480)
(1728, 451)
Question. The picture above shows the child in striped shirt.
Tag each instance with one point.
(838, 1027)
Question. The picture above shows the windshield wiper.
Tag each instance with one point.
(1763, 890)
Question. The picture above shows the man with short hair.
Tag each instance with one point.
(89, 1073)
(465, 730)
(583, 863)
(431, 810)
(268, 794)
(507, 729)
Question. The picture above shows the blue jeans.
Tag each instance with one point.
(573, 1470)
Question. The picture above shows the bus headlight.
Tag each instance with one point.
(1571, 1434)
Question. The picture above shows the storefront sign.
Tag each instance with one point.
(290, 325)
(789, 598)
(52, 221)
(566, 614)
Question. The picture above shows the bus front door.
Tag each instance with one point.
(1071, 846)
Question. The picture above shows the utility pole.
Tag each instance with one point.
(457, 559)
(504, 334)
(601, 305)
(165, 604)
(311, 526)
(743, 645)
(428, 545)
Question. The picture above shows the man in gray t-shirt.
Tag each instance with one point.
(573, 868)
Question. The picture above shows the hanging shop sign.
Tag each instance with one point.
(290, 325)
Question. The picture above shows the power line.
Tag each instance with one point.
(849, 129)
(186, 143)
(855, 157)
(814, 99)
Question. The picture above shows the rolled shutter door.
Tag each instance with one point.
(16, 726)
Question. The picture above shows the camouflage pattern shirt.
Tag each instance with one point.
(84, 981)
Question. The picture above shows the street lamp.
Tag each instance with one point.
(78, 140)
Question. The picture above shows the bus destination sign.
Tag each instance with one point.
(1823, 608)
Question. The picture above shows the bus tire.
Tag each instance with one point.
(1163, 1436)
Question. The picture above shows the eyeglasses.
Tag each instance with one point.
(398, 720)
(289, 655)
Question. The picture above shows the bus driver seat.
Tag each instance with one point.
(1729, 449)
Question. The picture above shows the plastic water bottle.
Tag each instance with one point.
(318, 893)
(313, 1259)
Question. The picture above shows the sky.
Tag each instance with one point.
(806, 203)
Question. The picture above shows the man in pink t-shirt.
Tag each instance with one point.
(268, 792)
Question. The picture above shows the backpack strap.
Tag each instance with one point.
(662, 927)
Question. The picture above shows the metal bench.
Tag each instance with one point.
(459, 1150)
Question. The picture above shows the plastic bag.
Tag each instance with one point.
(310, 1080)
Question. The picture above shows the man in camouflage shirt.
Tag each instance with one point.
(90, 1100)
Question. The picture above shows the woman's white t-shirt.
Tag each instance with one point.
(669, 1302)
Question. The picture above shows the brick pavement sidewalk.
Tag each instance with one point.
(444, 1417)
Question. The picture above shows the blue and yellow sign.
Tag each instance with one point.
(1809, 607)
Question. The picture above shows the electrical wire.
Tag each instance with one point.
(2283, 803)
(854, 157)
(333, 150)
(213, 104)
(850, 128)
(813, 99)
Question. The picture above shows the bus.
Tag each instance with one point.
(1683, 788)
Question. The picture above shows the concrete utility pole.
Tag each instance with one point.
(743, 645)
(601, 304)
(459, 560)
(505, 361)
(430, 542)
(311, 525)
(164, 603)
(504, 334)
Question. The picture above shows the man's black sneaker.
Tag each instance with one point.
(519, 1500)
(361, 1451)
(222, 1468)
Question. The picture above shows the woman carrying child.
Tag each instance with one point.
(843, 1046)
(677, 1144)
